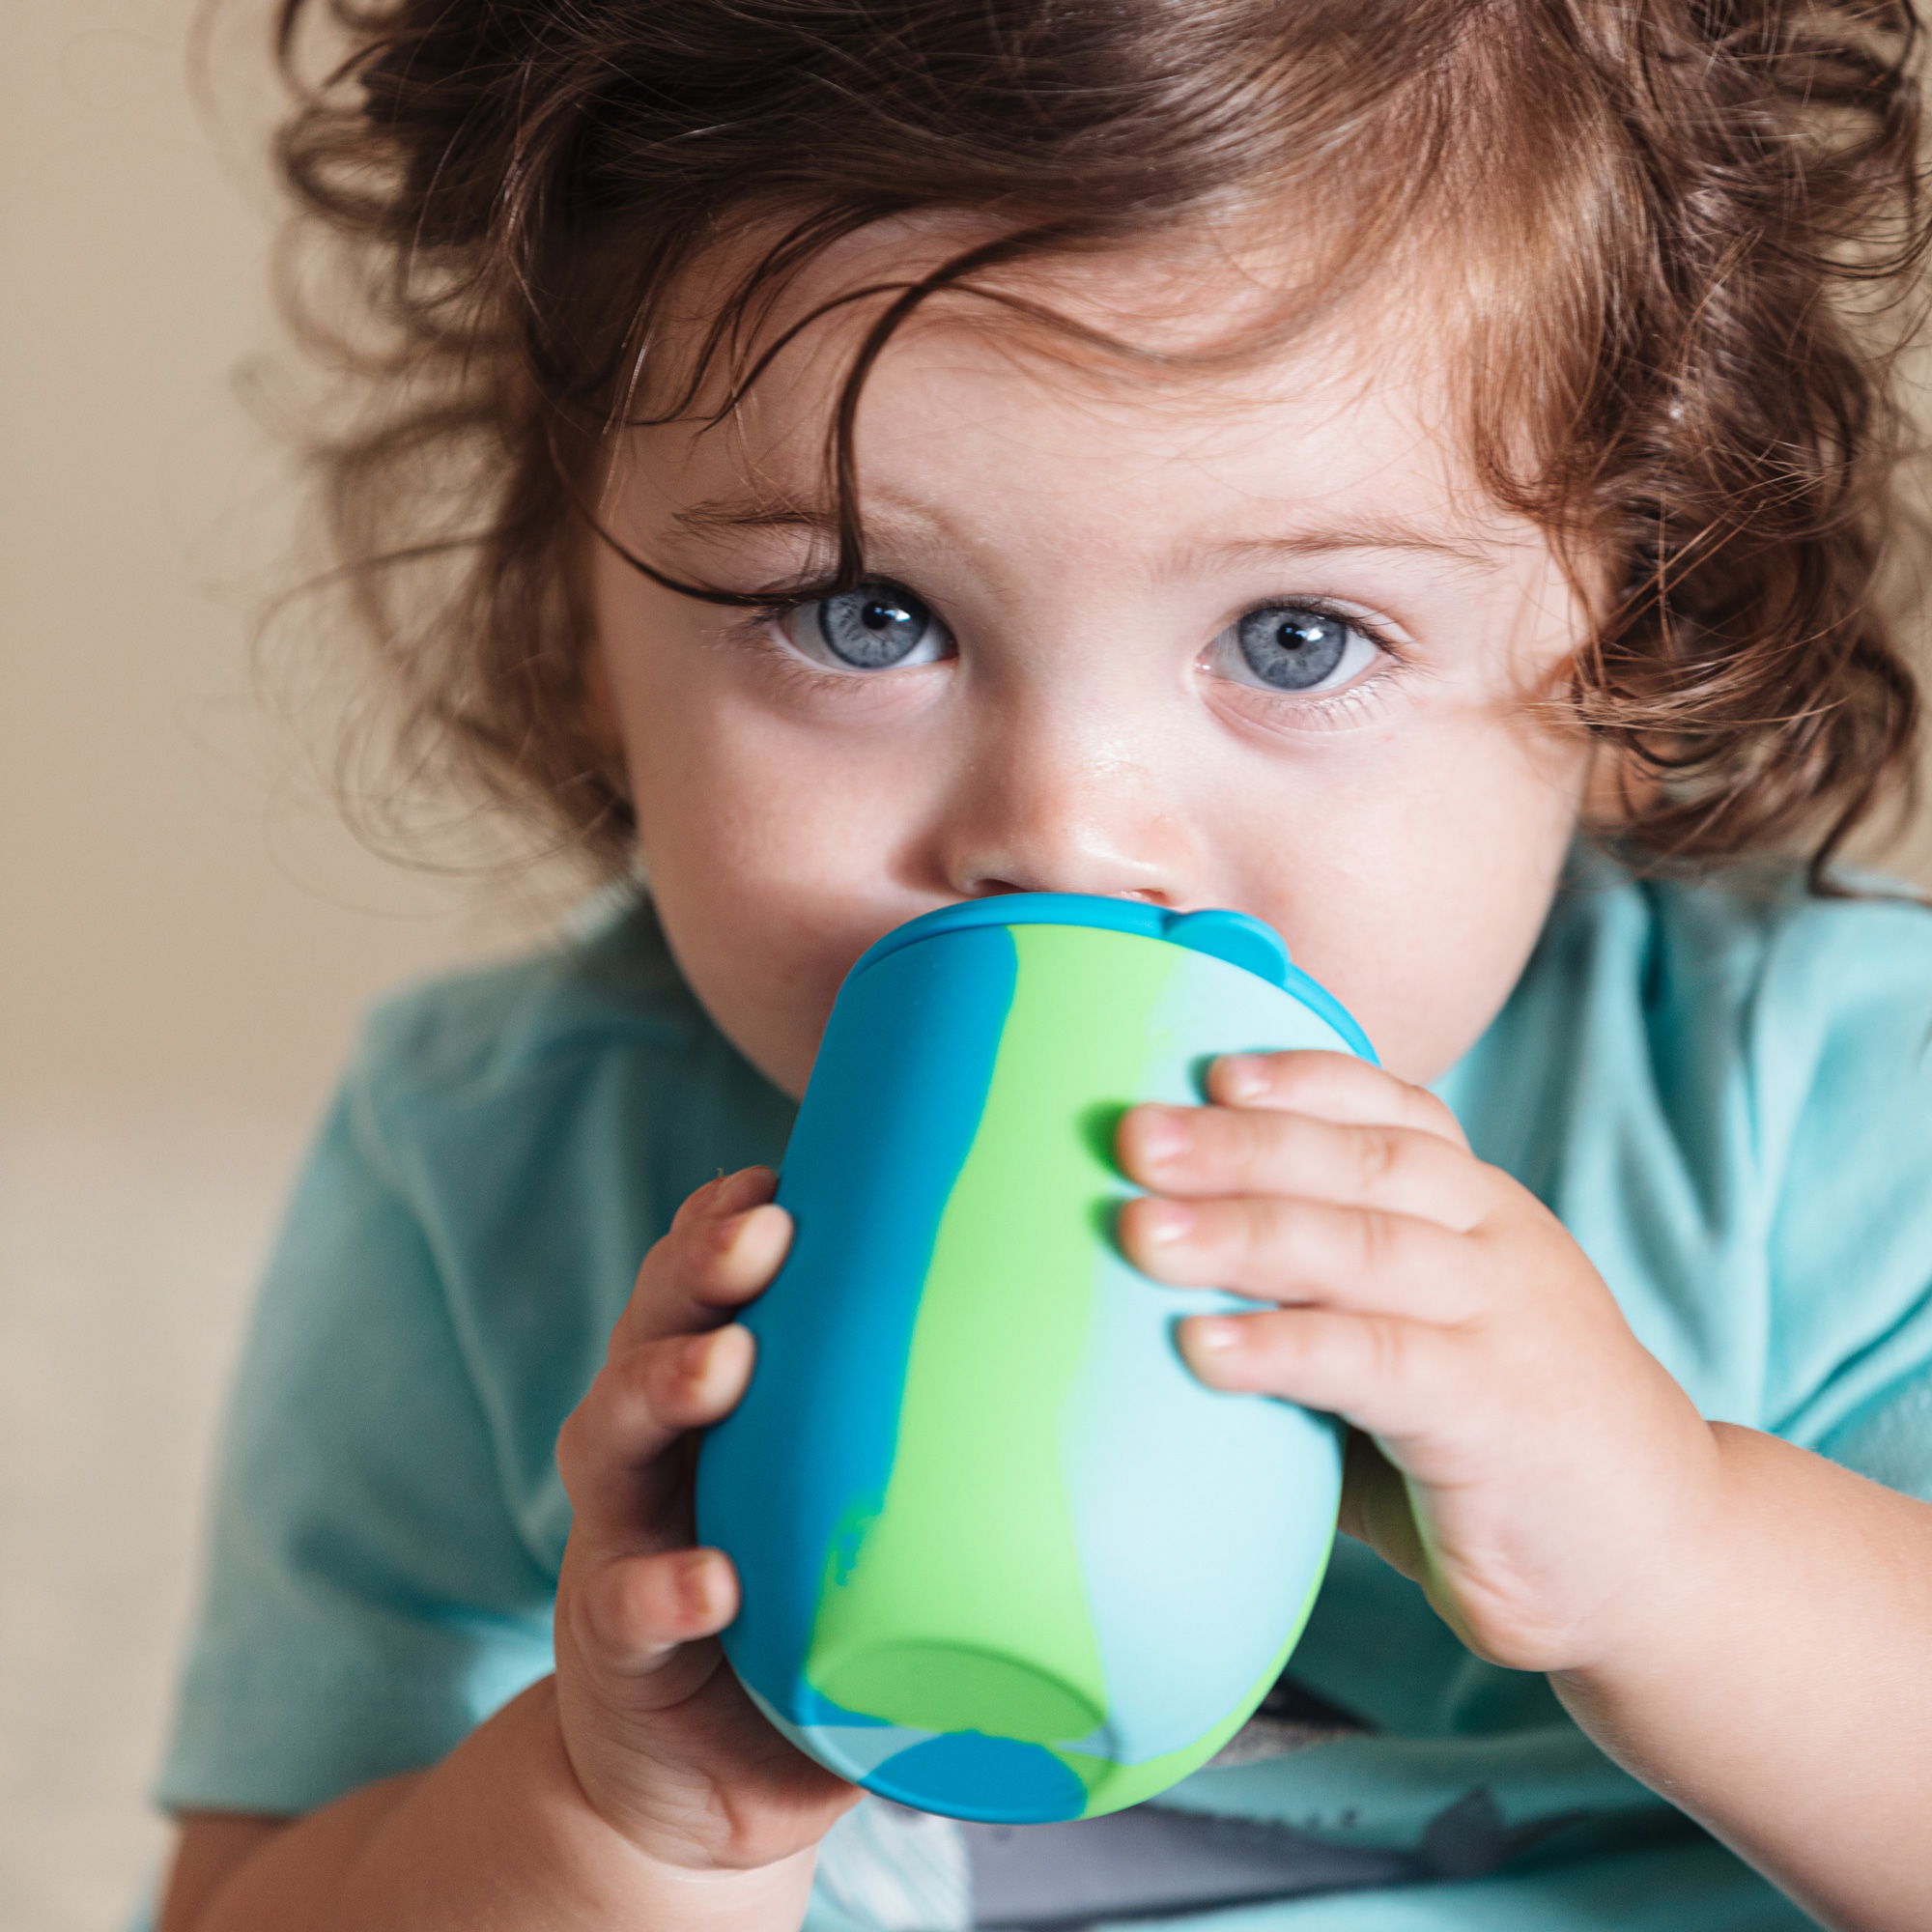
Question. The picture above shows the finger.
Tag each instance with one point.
(630, 1614)
(611, 1450)
(1331, 1086)
(1196, 1151)
(1360, 1259)
(723, 1247)
(1392, 1378)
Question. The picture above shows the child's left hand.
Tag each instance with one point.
(1518, 1452)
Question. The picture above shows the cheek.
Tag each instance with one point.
(771, 862)
(1419, 892)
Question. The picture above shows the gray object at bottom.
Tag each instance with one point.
(900, 1870)
(1147, 1863)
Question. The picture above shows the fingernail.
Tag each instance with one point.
(695, 1354)
(1212, 1335)
(1167, 1220)
(1243, 1077)
(1165, 1132)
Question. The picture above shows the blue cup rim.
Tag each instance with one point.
(1235, 938)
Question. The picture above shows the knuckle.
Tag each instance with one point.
(1255, 1136)
(1309, 1349)
(1378, 1152)
(1261, 1350)
(655, 1375)
(702, 1247)
(1377, 1240)
(672, 1376)
(614, 1611)
(625, 1380)
(1267, 1222)
(1384, 1344)
(720, 1237)
(642, 1390)
(592, 1611)
(1433, 1116)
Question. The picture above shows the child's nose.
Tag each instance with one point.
(1057, 811)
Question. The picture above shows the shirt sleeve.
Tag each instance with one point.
(1843, 1044)
(1891, 1440)
(371, 1597)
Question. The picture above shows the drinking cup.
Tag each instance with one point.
(1001, 1555)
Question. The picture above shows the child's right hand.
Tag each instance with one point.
(662, 1738)
(640, 1785)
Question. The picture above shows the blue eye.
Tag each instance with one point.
(1296, 647)
(878, 626)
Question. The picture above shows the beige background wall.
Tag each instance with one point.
(185, 934)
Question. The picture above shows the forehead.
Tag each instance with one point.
(1223, 370)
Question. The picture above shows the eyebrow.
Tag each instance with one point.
(721, 515)
(1390, 535)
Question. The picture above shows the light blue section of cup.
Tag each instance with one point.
(1199, 1627)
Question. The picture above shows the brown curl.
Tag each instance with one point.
(1690, 231)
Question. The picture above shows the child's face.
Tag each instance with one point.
(1255, 640)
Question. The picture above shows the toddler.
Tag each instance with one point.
(1415, 471)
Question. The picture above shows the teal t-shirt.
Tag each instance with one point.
(1724, 1089)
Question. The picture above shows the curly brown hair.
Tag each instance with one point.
(1699, 220)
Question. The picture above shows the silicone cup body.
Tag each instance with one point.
(1001, 1555)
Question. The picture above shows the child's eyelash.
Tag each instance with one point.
(760, 629)
(1360, 701)
(1355, 703)
(776, 612)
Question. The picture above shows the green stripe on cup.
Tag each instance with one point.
(954, 1616)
